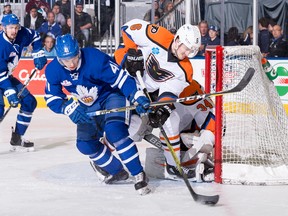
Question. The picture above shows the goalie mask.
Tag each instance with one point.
(190, 36)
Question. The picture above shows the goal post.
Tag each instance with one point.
(251, 136)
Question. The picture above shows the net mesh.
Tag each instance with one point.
(254, 123)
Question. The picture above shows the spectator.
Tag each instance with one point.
(170, 17)
(83, 21)
(34, 19)
(50, 27)
(78, 35)
(107, 8)
(6, 10)
(59, 17)
(66, 29)
(203, 27)
(213, 34)
(233, 37)
(147, 16)
(271, 24)
(65, 7)
(264, 36)
(162, 5)
(278, 45)
(40, 5)
(247, 37)
(156, 16)
(48, 46)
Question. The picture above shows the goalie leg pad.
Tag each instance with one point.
(155, 163)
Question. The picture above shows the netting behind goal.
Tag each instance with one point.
(252, 125)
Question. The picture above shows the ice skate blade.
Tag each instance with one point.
(21, 149)
(144, 191)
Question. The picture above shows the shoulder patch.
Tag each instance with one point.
(154, 29)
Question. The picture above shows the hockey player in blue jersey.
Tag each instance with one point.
(13, 39)
(98, 83)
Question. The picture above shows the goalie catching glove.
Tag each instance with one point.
(75, 112)
(160, 115)
(134, 62)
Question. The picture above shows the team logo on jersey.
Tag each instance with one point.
(155, 71)
(74, 76)
(12, 54)
(87, 97)
(154, 29)
(66, 83)
(155, 50)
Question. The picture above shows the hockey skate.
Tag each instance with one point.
(19, 144)
(172, 170)
(141, 184)
(120, 176)
(108, 178)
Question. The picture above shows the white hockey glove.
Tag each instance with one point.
(11, 96)
(75, 112)
(203, 143)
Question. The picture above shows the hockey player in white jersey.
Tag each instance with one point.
(13, 39)
(98, 83)
(167, 72)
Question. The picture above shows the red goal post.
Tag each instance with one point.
(251, 136)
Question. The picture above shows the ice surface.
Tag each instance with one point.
(56, 180)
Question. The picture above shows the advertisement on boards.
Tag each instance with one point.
(37, 84)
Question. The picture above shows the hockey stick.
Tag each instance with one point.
(207, 200)
(239, 87)
(20, 92)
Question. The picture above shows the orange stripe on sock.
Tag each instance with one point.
(171, 138)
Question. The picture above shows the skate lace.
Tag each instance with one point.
(186, 170)
(139, 177)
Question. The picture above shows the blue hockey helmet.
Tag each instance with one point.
(10, 19)
(66, 46)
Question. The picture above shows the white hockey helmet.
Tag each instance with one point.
(190, 36)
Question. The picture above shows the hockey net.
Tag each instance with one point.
(251, 143)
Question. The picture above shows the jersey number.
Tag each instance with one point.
(206, 104)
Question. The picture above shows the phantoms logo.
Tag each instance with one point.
(158, 74)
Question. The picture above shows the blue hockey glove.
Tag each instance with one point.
(12, 98)
(40, 59)
(75, 112)
(143, 103)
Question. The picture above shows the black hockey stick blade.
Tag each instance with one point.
(199, 198)
(203, 199)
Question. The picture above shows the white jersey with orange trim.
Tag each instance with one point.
(163, 71)
(188, 116)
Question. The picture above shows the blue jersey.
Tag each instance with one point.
(96, 76)
(10, 52)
